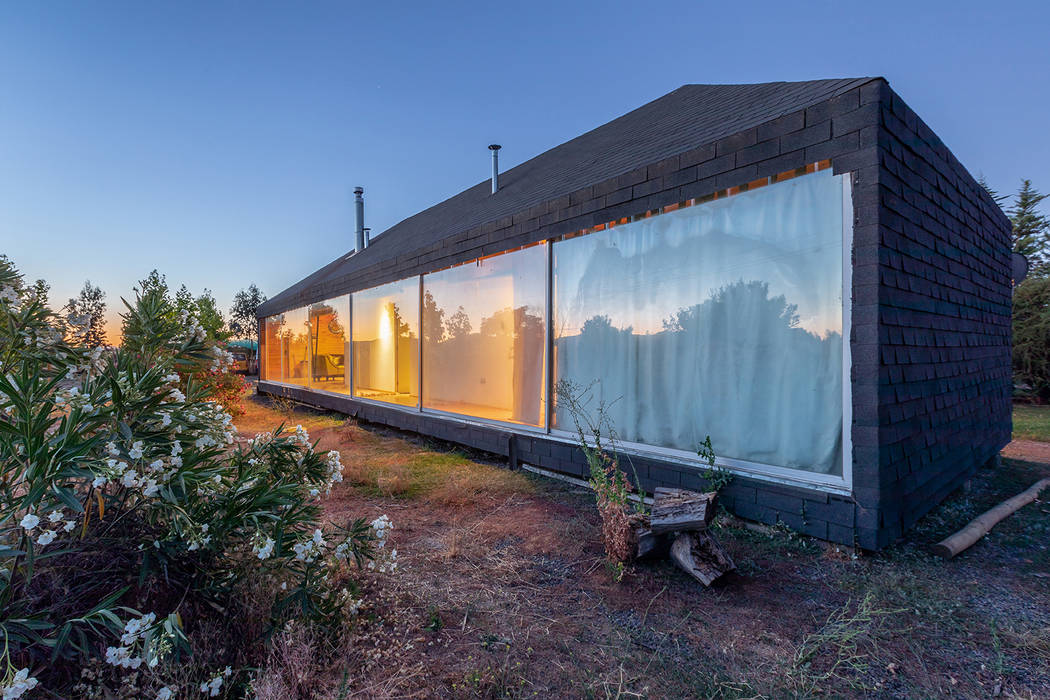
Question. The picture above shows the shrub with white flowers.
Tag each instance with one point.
(122, 489)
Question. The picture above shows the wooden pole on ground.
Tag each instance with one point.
(982, 524)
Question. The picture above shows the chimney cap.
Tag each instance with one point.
(495, 147)
(359, 190)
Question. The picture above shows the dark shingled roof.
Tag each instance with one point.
(687, 118)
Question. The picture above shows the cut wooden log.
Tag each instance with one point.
(678, 510)
(647, 543)
(982, 524)
(651, 544)
(700, 555)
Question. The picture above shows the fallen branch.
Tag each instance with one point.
(982, 524)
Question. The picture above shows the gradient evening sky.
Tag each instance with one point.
(219, 141)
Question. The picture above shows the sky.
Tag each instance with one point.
(220, 142)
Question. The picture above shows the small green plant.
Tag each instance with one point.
(434, 622)
(715, 474)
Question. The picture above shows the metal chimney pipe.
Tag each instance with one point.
(495, 167)
(368, 237)
(359, 208)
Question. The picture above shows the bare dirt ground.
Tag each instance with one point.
(503, 592)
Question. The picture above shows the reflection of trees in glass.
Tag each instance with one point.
(458, 325)
(400, 326)
(516, 321)
(433, 320)
(736, 366)
(751, 298)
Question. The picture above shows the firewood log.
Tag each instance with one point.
(700, 555)
(982, 524)
(677, 510)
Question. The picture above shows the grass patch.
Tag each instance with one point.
(1031, 422)
(388, 466)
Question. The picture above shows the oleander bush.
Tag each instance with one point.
(144, 551)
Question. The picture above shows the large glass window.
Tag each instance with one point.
(329, 345)
(271, 348)
(484, 328)
(386, 342)
(721, 319)
(295, 348)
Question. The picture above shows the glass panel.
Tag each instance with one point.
(723, 319)
(329, 345)
(484, 327)
(271, 349)
(386, 342)
(295, 348)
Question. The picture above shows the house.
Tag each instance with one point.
(801, 271)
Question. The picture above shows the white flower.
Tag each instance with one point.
(70, 524)
(211, 688)
(129, 478)
(111, 448)
(20, 683)
(136, 450)
(264, 548)
(54, 516)
(98, 482)
(164, 693)
(29, 521)
(46, 538)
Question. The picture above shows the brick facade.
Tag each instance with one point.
(930, 324)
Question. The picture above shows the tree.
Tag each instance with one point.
(242, 314)
(205, 310)
(42, 290)
(994, 194)
(1031, 234)
(1031, 351)
(89, 311)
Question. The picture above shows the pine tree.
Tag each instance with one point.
(1031, 234)
(994, 194)
(89, 310)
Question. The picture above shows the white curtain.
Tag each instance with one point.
(721, 319)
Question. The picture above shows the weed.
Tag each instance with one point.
(612, 490)
(717, 476)
(434, 622)
(283, 405)
(841, 649)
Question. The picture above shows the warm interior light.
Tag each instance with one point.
(386, 326)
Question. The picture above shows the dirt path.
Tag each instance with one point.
(1028, 450)
(503, 592)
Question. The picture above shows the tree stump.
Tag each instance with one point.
(680, 510)
(701, 556)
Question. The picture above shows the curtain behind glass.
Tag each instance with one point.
(722, 319)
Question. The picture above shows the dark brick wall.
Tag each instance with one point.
(929, 333)
(942, 270)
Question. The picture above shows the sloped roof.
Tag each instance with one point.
(684, 119)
